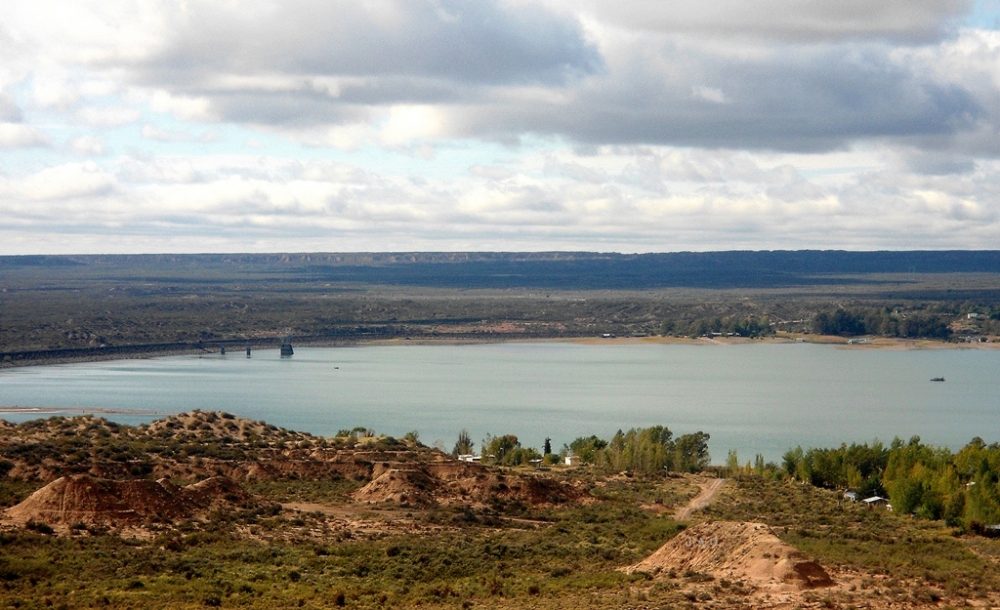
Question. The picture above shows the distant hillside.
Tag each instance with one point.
(537, 270)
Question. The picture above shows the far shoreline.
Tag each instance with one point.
(866, 343)
(861, 343)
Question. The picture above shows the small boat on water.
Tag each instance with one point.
(937, 378)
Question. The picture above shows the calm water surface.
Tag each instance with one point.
(763, 398)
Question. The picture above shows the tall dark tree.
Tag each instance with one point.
(464, 446)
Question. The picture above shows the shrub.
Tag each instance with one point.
(38, 526)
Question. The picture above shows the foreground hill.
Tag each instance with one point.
(205, 509)
(198, 445)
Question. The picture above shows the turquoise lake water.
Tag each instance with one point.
(754, 398)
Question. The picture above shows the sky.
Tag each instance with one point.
(135, 126)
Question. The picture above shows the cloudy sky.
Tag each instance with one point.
(610, 125)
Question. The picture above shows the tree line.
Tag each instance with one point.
(736, 326)
(883, 322)
(962, 488)
(644, 450)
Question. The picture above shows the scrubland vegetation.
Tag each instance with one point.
(310, 543)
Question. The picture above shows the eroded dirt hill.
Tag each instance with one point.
(736, 551)
(83, 499)
(97, 463)
(450, 483)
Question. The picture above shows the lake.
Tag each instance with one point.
(755, 398)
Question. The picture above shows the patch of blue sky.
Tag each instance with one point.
(157, 134)
(985, 14)
(19, 162)
(447, 158)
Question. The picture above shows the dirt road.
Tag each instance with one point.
(708, 493)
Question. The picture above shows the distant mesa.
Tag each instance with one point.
(736, 551)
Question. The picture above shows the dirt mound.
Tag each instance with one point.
(736, 551)
(84, 499)
(533, 490)
(448, 483)
(218, 424)
(403, 486)
(219, 493)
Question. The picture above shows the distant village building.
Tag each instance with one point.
(572, 460)
(468, 457)
(874, 501)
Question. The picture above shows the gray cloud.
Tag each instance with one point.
(303, 62)
(453, 40)
(287, 109)
(802, 20)
(9, 110)
(795, 98)
(812, 76)
(938, 163)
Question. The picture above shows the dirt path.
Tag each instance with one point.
(708, 493)
(348, 511)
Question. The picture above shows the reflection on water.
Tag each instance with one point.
(762, 398)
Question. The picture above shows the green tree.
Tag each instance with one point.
(692, 452)
(732, 464)
(587, 448)
(791, 460)
(758, 465)
(499, 446)
(464, 445)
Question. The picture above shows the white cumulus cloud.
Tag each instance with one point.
(109, 116)
(18, 135)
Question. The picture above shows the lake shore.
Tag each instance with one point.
(6, 409)
(880, 343)
(840, 342)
